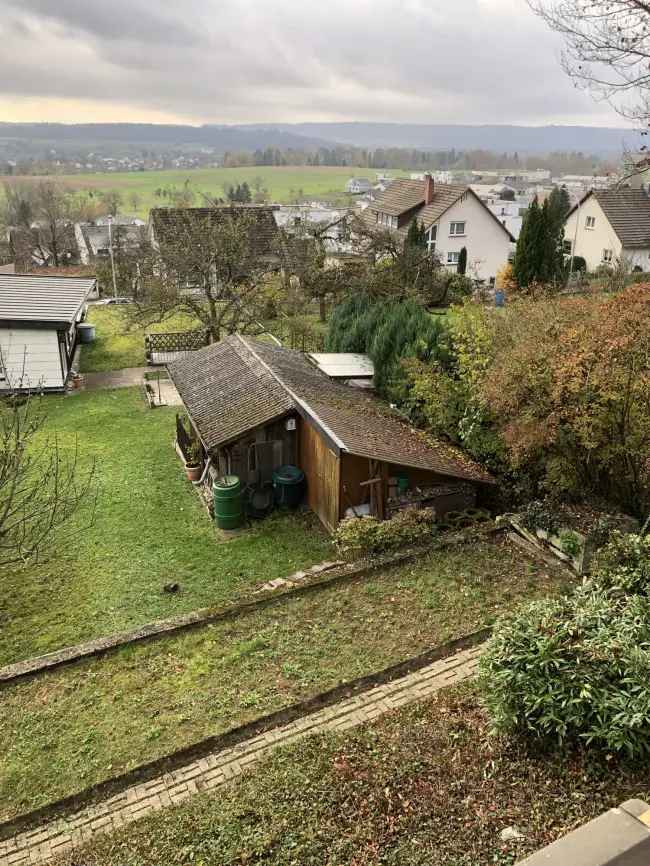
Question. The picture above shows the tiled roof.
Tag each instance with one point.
(628, 211)
(401, 196)
(444, 196)
(170, 224)
(54, 301)
(240, 383)
(227, 392)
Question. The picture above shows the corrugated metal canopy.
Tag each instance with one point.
(344, 365)
(42, 300)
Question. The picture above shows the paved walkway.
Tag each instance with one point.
(215, 770)
(126, 378)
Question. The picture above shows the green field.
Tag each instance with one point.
(285, 184)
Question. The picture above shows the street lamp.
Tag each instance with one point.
(110, 250)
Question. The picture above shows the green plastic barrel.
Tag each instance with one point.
(289, 486)
(226, 499)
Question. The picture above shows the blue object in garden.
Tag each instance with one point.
(499, 298)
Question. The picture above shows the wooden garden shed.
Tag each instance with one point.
(256, 406)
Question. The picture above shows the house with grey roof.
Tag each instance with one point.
(453, 217)
(255, 406)
(609, 226)
(358, 186)
(39, 319)
(174, 226)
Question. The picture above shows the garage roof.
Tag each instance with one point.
(42, 302)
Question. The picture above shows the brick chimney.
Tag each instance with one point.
(428, 189)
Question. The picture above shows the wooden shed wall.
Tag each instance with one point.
(234, 458)
(354, 470)
(322, 469)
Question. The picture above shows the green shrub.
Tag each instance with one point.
(542, 514)
(623, 565)
(570, 542)
(368, 536)
(573, 670)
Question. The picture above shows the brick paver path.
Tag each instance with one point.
(214, 770)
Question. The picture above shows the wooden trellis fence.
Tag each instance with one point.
(162, 348)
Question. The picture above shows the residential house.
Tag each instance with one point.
(358, 186)
(609, 225)
(331, 224)
(168, 225)
(39, 317)
(255, 406)
(94, 240)
(41, 247)
(453, 217)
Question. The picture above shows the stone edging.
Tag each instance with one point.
(195, 619)
(143, 774)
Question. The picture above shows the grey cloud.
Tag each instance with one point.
(470, 61)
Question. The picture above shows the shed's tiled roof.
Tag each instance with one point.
(51, 300)
(170, 225)
(253, 382)
(227, 392)
(628, 211)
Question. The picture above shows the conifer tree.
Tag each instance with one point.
(462, 261)
(416, 235)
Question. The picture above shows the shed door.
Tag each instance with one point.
(322, 470)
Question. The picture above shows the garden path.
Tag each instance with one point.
(216, 769)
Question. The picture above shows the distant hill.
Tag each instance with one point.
(524, 139)
(221, 138)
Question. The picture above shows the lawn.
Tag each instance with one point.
(119, 343)
(285, 184)
(424, 784)
(70, 728)
(149, 529)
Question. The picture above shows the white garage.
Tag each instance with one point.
(38, 329)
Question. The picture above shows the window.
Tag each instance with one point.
(432, 234)
(452, 258)
(590, 222)
(456, 228)
(567, 246)
(608, 255)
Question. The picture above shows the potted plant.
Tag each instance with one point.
(193, 460)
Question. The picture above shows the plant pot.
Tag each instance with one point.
(193, 472)
(77, 381)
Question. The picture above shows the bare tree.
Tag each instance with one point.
(41, 487)
(112, 201)
(210, 265)
(607, 49)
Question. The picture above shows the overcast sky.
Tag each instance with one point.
(236, 61)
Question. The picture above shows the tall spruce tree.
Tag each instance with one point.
(416, 235)
(527, 255)
(462, 262)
